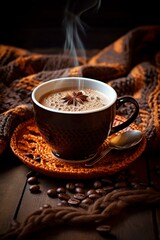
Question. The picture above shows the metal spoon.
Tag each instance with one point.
(122, 141)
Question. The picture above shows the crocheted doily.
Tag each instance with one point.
(28, 145)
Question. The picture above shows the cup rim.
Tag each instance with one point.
(103, 84)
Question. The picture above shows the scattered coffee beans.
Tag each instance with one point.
(79, 196)
(101, 191)
(83, 194)
(73, 202)
(104, 228)
(32, 180)
(30, 174)
(34, 188)
(61, 190)
(45, 206)
(79, 190)
(70, 187)
(79, 184)
(87, 201)
(63, 203)
(64, 196)
(91, 191)
(105, 231)
(94, 196)
(52, 192)
(97, 184)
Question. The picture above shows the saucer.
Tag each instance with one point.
(28, 145)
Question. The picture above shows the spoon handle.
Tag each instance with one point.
(97, 159)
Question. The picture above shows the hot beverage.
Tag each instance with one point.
(75, 122)
(74, 100)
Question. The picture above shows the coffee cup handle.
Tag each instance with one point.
(125, 124)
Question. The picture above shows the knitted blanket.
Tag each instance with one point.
(131, 65)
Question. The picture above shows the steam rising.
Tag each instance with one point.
(73, 26)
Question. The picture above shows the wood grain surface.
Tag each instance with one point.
(17, 202)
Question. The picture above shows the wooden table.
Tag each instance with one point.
(140, 222)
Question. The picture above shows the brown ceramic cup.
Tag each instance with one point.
(76, 136)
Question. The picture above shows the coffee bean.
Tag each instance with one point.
(94, 196)
(79, 184)
(104, 231)
(70, 187)
(52, 192)
(34, 188)
(108, 189)
(104, 228)
(30, 174)
(61, 190)
(63, 196)
(101, 191)
(97, 184)
(91, 191)
(74, 201)
(45, 206)
(87, 201)
(32, 180)
(62, 203)
(79, 196)
(79, 190)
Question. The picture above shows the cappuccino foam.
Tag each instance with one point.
(54, 100)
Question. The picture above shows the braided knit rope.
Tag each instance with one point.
(103, 208)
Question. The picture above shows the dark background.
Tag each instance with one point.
(38, 24)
